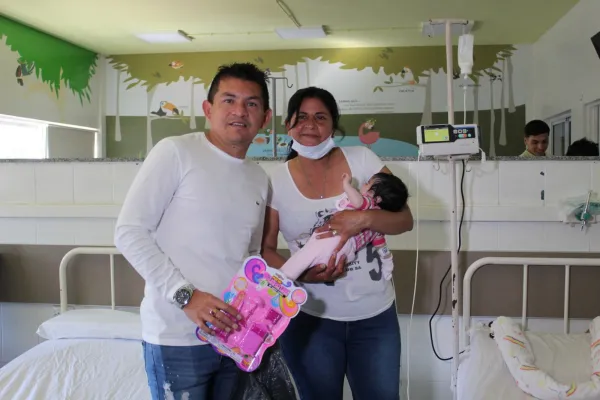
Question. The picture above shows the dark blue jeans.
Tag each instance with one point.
(319, 352)
(189, 372)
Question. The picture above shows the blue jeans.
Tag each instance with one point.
(189, 372)
(319, 352)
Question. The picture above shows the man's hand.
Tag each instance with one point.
(204, 307)
(325, 273)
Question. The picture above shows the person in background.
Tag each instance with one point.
(583, 148)
(194, 212)
(349, 325)
(537, 136)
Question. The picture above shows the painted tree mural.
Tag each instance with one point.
(485, 60)
(166, 108)
(150, 70)
(53, 60)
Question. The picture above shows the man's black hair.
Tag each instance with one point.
(536, 127)
(391, 190)
(244, 71)
(583, 148)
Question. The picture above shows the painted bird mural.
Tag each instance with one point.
(24, 69)
(404, 71)
(176, 64)
(165, 105)
(368, 138)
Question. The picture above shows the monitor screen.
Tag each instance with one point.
(436, 135)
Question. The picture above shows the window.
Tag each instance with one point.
(22, 139)
(560, 133)
(592, 121)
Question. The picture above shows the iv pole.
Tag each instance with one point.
(455, 275)
(274, 108)
(453, 221)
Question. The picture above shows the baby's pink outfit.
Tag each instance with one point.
(314, 252)
(318, 251)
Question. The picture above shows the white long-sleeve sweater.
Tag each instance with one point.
(192, 215)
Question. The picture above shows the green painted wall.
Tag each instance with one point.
(53, 59)
(150, 70)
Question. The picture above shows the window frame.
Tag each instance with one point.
(562, 118)
(592, 120)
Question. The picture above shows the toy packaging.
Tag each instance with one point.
(267, 300)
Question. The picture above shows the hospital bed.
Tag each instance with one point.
(481, 372)
(89, 354)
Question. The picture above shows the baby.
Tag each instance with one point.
(382, 191)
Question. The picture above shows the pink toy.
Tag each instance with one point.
(267, 301)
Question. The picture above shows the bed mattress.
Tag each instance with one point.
(483, 375)
(82, 369)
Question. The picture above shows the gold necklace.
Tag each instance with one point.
(324, 177)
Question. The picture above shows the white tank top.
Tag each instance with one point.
(363, 292)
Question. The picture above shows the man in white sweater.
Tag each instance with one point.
(194, 212)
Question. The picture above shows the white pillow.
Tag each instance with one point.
(482, 373)
(92, 324)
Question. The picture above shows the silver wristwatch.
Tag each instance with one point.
(183, 295)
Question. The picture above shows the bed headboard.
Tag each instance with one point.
(64, 263)
(525, 262)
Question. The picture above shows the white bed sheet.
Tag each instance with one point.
(81, 369)
(483, 375)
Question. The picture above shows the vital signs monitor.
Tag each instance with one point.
(448, 140)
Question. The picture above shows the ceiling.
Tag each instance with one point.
(249, 24)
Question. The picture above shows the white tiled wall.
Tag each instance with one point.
(510, 205)
(429, 377)
(77, 204)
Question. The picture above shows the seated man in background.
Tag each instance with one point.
(583, 148)
(537, 134)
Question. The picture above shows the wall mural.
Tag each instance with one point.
(383, 95)
(45, 78)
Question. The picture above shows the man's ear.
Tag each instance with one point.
(268, 116)
(207, 108)
(378, 199)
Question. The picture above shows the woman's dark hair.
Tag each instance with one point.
(312, 93)
(583, 148)
(391, 190)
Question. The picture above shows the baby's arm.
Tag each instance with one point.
(354, 197)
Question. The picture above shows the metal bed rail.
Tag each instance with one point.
(64, 263)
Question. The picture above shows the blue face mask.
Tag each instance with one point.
(314, 152)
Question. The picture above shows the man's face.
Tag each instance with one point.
(237, 112)
(537, 144)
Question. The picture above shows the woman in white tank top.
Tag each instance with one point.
(348, 326)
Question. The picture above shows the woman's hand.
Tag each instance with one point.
(325, 273)
(345, 224)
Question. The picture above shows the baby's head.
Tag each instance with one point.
(389, 192)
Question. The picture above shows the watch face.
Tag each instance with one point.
(182, 296)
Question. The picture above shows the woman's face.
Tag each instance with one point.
(315, 124)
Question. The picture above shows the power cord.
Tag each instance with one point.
(462, 216)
